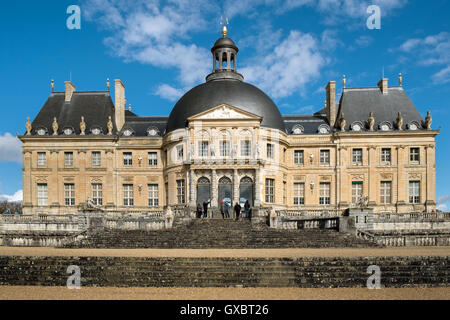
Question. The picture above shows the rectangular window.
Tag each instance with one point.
(270, 190)
(386, 187)
(127, 159)
(203, 148)
(414, 155)
(180, 192)
(69, 194)
(68, 159)
(224, 148)
(96, 158)
(42, 195)
(128, 197)
(245, 148)
(42, 159)
(180, 153)
(270, 150)
(299, 194)
(299, 157)
(153, 195)
(324, 193)
(324, 156)
(97, 194)
(357, 156)
(414, 192)
(357, 191)
(386, 155)
(152, 158)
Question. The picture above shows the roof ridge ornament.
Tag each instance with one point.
(428, 120)
(55, 127)
(28, 126)
(224, 28)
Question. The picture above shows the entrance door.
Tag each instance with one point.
(246, 191)
(225, 189)
(203, 190)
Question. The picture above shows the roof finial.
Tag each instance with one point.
(400, 79)
(53, 85)
(224, 29)
(344, 81)
(107, 84)
(129, 107)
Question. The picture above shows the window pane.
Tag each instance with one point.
(152, 158)
(42, 159)
(357, 155)
(298, 157)
(96, 158)
(224, 148)
(68, 158)
(128, 197)
(97, 194)
(69, 194)
(153, 196)
(299, 194)
(414, 192)
(270, 149)
(245, 148)
(386, 187)
(203, 148)
(357, 191)
(180, 192)
(325, 156)
(270, 190)
(324, 193)
(386, 155)
(127, 158)
(42, 195)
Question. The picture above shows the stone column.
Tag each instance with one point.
(228, 60)
(430, 178)
(192, 177)
(371, 176)
(402, 186)
(235, 186)
(214, 189)
(257, 188)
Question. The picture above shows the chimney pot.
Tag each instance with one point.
(70, 89)
(120, 102)
(383, 85)
(331, 103)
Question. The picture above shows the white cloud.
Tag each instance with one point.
(443, 199)
(10, 148)
(18, 196)
(156, 34)
(168, 92)
(442, 207)
(433, 50)
(295, 62)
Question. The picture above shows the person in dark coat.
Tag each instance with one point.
(205, 209)
(246, 209)
(237, 210)
(199, 211)
(222, 209)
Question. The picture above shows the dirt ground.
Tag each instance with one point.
(62, 293)
(238, 253)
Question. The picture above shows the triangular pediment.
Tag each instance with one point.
(224, 111)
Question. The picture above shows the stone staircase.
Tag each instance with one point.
(305, 272)
(219, 233)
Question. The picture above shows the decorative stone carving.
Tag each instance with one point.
(28, 126)
(342, 122)
(399, 122)
(55, 127)
(371, 121)
(82, 126)
(257, 150)
(110, 126)
(428, 121)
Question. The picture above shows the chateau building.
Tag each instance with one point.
(226, 140)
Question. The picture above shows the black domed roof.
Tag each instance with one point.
(225, 43)
(233, 92)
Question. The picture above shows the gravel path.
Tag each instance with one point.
(238, 253)
(62, 293)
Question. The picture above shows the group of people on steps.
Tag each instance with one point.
(202, 211)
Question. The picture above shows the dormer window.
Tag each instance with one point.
(41, 131)
(128, 133)
(324, 129)
(298, 130)
(96, 131)
(152, 131)
(68, 131)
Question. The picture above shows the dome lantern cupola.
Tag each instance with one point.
(224, 59)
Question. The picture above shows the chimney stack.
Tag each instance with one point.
(331, 103)
(120, 103)
(70, 89)
(383, 85)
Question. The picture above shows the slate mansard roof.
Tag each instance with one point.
(95, 107)
(357, 103)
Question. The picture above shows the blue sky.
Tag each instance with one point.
(160, 49)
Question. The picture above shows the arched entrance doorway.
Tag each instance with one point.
(203, 190)
(225, 190)
(246, 190)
